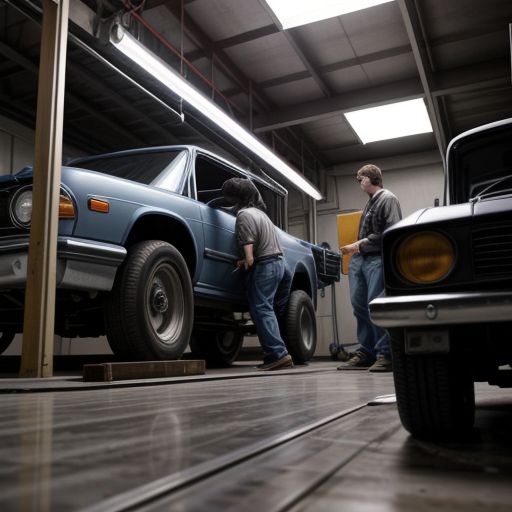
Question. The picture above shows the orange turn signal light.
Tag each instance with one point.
(66, 208)
(97, 205)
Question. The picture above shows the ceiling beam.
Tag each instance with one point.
(27, 64)
(245, 37)
(115, 98)
(337, 66)
(318, 109)
(299, 51)
(475, 77)
(414, 28)
(200, 39)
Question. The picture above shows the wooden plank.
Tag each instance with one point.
(107, 372)
(38, 325)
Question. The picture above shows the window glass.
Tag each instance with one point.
(162, 169)
(210, 175)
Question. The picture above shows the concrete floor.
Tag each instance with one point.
(300, 439)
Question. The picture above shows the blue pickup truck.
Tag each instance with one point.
(448, 293)
(146, 255)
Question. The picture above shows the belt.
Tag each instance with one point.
(270, 257)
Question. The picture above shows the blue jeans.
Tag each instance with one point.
(264, 292)
(366, 281)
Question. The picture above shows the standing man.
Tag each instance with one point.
(366, 278)
(265, 268)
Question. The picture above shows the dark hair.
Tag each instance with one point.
(373, 172)
(242, 193)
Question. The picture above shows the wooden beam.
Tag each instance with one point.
(38, 326)
(107, 372)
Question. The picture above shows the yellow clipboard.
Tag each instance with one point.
(348, 227)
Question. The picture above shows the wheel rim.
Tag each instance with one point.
(164, 305)
(306, 327)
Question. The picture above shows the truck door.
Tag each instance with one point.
(218, 277)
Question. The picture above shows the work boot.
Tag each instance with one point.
(383, 364)
(359, 361)
(281, 364)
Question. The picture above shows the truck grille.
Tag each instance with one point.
(327, 265)
(492, 249)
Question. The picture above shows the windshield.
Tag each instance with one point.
(482, 160)
(492, 187)
(162, 169)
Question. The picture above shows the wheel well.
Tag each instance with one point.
(301, 282)
(159, 227)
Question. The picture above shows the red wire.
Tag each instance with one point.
(141, 20)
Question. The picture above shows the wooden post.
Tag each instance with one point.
(39, 319)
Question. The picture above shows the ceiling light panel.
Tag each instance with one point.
(390, 121)
(292, 13)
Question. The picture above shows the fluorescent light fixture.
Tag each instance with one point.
(130, 47)
(390, 121)
(292, 13)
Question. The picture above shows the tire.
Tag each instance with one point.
(6, 338)
(435, 395)
(300, 327)
(217, 348)
(150, 311)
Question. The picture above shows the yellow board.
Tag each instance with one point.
(348, 227)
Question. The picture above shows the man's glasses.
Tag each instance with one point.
(360, 178)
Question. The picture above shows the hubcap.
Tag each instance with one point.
(306, 325)
(165, 309)
(159, 302)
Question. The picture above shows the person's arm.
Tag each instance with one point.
(352, 248)
(246, 236)
(249, 256)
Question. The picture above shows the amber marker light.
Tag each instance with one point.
(66, 207)
(97, 205)
(425, 258)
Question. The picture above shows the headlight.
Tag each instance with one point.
(21, 207)
(425, 258)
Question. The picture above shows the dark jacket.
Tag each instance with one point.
(381, 212)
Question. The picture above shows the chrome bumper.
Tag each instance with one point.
(441, 309)
(81, 264)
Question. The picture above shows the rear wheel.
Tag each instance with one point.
(150, 311)
(300, 327)
(6, 338)
(217, 348)
(435, 393)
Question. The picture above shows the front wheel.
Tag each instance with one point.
(300, 327)
(150, 311)
(435, 393)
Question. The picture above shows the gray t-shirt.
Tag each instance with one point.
(254, 227)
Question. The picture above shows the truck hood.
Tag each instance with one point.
(456, 212)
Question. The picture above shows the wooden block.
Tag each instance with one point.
(107, 372)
